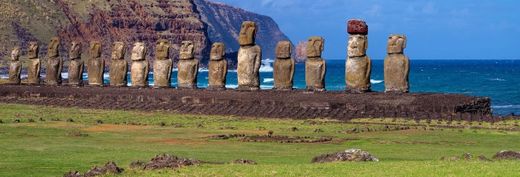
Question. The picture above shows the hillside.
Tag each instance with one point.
(130, 20)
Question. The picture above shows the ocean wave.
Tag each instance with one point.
(268, 80)
(373, 81)
(497, 79)
(506, 107)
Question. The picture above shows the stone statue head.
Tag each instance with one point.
(283, 50)
(138, 51)
(54, 47)
(396, 44)
(34, 50)
(315, 47)
(75, 50)
(217, 51)
(162, 49)
(357, 45)
(247, 33)
(119, 50)
(15, 54)
(187, 49)
(95, 49)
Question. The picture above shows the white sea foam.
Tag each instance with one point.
(373, 81)
(497, 79)
(268, 80)
(506, 107)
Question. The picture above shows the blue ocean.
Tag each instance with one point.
(497, 79)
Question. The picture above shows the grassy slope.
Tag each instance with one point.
(49, 147)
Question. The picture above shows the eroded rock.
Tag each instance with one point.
(358, 65)
(75, 65)
(118, 65)
(162, 67)
(95, 65)
(33, 64)
(15, 67)
(54, 63)
(217, 67)
(139, 69)
(283, 67)
(169, 161)
(397, 65)
(507, 155)
(352, 155)
(249, 58)
(188, 67)
(315, 66)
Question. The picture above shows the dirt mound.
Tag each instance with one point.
(507, 155)
(109, 168)
(352, 155)
(168, 161)
(244, 161)
(273, 138)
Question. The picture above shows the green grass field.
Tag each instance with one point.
(49, 141)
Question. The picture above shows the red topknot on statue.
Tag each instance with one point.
(356, 26)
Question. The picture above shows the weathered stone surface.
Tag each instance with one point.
(139, 69)
(33, 65)
(352, 155)
(248, 69)
(118, 66)
(54, 63)
(15, 66)
(95, 65)
(397, 65)
(283, 67)
(75, 65)
(358, 74)
(188, 67)
(217, 67)
(356, 26)
(162, 67)
(247, 33)
(358, 65)
(507, 155)
(315, 66)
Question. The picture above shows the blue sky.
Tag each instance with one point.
(443, 29)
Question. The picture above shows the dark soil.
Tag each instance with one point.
(244, 161)
(168, 161)
(507, 155)
(273, 138)
(266, 103)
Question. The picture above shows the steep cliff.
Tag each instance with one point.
(108, 21)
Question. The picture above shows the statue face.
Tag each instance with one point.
(187, 50)
(75, 50)
(162, 49)
(139, 51)
(95, 49)
(53, 50)
(283, 50)
(118, 52)
(396, 44)
(315, 46)
(34, 49)
(247, 33)
(357, 45)
(15, 54)
(217, 51)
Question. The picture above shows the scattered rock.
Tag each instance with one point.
(42, 119)
(137, 164)
(73, 174)
(244, 161)
(294, 129)
(31, 120)
(270, 133)
(17, 121)
(352, 155)
(76, 133)
(228, 128)
(225, 137)
(484, 158)
(99, 122)
(452, 158)
(168, 161)
(467, 156)
(109, 168)
(70, 120)
(318, 130)
(507, 155)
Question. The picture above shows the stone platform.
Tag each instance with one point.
(265, 103)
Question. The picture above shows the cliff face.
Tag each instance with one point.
(108, 21)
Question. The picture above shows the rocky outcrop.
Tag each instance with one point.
(200, 21)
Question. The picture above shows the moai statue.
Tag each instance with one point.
(358, 65)
(188, 67)
(118, 65)
(315, 66)
(249, 58)
(283, 67)
(217, 67)
(139, 67)
(76, 64)
(54, 63)
(33, 66)
(95, 65)
(162, 67)
(15, 67)
(397, 65)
